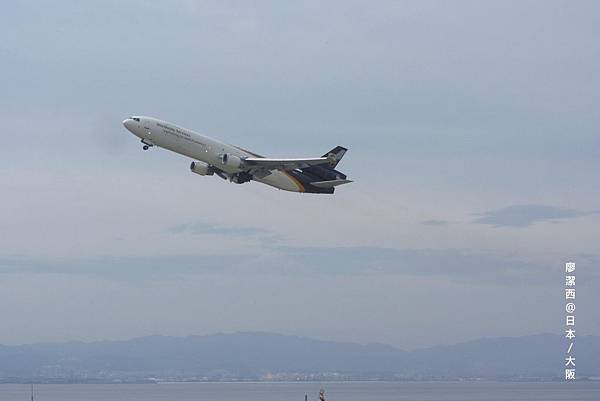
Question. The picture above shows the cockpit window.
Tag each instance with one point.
(136, 119)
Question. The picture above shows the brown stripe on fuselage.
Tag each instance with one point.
(295, 180)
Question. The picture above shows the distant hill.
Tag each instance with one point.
(257, 356)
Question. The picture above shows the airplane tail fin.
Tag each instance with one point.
(338, 152)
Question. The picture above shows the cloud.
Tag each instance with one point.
(343, 261)
(298, 263)
(204, 228)
(124, 268)
(434, 222)
(454, 263)
(526, 215)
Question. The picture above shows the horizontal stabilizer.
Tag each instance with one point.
(329, 184)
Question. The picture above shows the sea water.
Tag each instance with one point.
(334, 391)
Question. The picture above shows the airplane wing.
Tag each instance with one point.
(287, 164)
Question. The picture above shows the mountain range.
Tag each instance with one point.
(268, 356)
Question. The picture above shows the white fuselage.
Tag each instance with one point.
(186, 142)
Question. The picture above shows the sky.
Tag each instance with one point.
(472, 130)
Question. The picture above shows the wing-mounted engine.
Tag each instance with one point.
(201, 168)
(232, 161)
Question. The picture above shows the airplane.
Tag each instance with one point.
(212, 157)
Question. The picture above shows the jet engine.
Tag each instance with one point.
(201, 168)
(231, 160)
